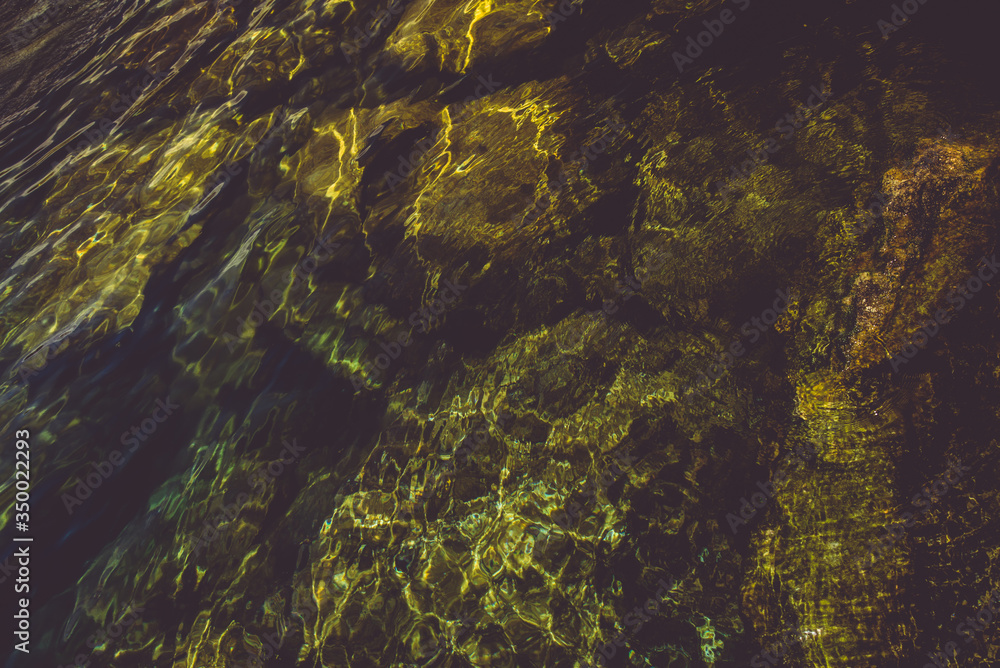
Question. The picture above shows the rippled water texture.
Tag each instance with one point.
(474, 333)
